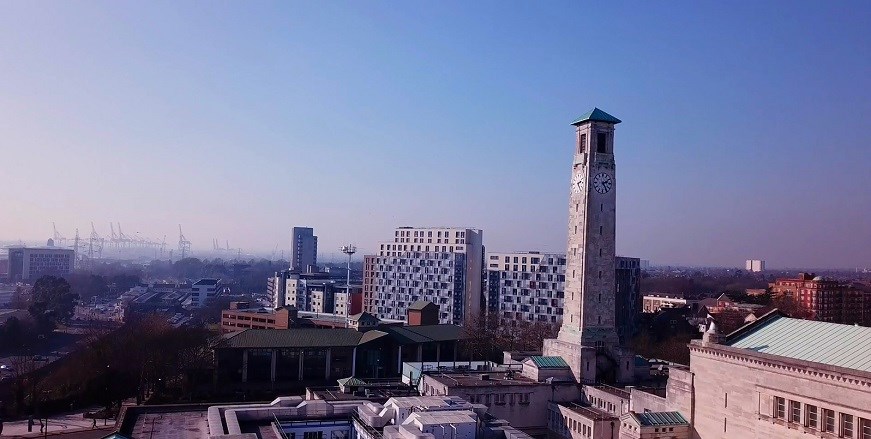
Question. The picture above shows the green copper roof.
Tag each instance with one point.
(661, 418)
(596, 115)
(819, 342)
(549, 362)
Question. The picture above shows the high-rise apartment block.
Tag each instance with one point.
(441, 265)
(303, 249)
(29, 263)
(530, 286)
(629, 299)
(754, 265)
(369, 283)
(525, 286)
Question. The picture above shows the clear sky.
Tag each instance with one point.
(745, 133)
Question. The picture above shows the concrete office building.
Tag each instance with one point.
(204, 291)
(441, 265)
(303, 249)
(30, 263)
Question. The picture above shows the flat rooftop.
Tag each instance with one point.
(172, 425)
(473, 379)
(622, 393)
(589, 412)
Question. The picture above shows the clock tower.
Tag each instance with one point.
(588, 338)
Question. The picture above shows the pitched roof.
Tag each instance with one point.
(364, 316)
(292, 338)
(420, 304)
(819, 342)
(423, 333)
(596, 115)
(660, 418)
(550, 362)
(351, 381)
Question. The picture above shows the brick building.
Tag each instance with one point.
(826, 300)
(242, 316)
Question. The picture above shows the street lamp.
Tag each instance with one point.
(349, 250)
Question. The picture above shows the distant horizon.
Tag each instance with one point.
(240, 121)
(338, 258)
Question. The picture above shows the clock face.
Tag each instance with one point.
(602, 183)
(578, 183)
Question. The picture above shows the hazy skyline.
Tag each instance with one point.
(745, 126)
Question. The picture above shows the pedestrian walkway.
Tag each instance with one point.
(62, 423)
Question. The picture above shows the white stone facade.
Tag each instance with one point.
(743, 394)
(437, 264)
(589, 328)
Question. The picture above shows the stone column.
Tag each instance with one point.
(272, 365)
(354, 361)
(245, 365)
(301, 358)
(420, 352)
(327, 371)
(399, 360)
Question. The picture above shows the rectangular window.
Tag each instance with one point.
(779, 408)
(846, 425)
(810, 417)
(582, 145)
(602, 142)
(828, 421)
(864, 428)
(794, 411)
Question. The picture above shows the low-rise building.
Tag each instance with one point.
(409, 417)
(652, 303)
(242, 316)
(289, 358)
(780, 377)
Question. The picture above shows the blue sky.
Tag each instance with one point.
(745, 124)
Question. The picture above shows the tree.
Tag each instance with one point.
(53, 301)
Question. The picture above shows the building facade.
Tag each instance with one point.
(303, 249)
(784, 378)
(826, 300)
(204, 291)
(242, 316)
(369, 283)
(628, 304)
(30, 263)
(754, 265)
(588, 338)
(436, 264)
(526, 286)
